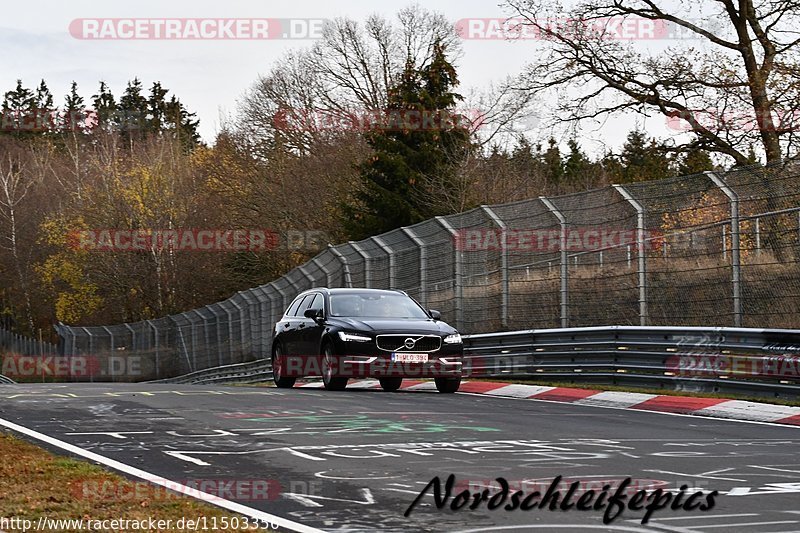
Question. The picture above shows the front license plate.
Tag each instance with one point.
(410, 357)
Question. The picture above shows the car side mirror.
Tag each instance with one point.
(436, 315)
(314, 314)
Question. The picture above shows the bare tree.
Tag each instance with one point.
(732, 77)
(16, 182)
(341, 84)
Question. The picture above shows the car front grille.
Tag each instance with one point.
(397, 343)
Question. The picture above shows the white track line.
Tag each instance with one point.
(157, 480)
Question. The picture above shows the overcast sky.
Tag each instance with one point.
(210, 75)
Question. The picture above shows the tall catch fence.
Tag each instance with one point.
(711, 249)
(24, 357)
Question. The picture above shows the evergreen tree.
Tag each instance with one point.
(523, 158)
(182, 122)
(554, 171)
(643, 160)
(105, 107)
(42, 112)
(410, 176)
(17, 105)
(695, 162)
(133, 112)
(576, 165)
(157, 108)
(74, 111)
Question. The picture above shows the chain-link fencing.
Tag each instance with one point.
(711, 249)
(25, 358)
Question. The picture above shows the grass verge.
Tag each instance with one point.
(35, 483)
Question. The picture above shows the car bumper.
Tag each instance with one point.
(443, 363)
(380, 366)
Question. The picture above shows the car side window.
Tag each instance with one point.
(318, 303)
(303, 305)
(292, 311)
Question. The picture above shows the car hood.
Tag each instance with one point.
(393, 325)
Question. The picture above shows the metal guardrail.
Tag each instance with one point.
(252, 372)
(742, 361)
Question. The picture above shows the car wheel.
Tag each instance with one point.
(281, 381)
(329, 378)
(447, 385)
(391, 384)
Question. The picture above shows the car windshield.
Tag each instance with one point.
(375, 305)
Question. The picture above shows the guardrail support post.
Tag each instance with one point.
(640, 251)
(503, 261)
(457, 272)
(348, 279)
(564, 261)
(423, 265)
(736, 264)
(392, 264)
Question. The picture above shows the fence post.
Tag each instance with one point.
(348, 279)
(155, 345)
(457, 272)
(423, 265)
(564, 261)
(126, 371)
(758, 237)
(309, 277)
(640, 250)
(367, 263)
(206, 338)
(503, 261)
(724, 243)
(328, 274)
(219, 333)
(242, 337)
(736, 265)
(112, 355)
(91, 352)
(392, 260)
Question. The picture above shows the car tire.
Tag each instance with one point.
(447, 385)
(391, 384)
(282, 382)
(329, 378)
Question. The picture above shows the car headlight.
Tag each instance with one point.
(455, 338)
(353, 337)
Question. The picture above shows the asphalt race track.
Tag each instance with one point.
(355, 460)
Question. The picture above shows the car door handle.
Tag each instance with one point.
(302, 325)
(286, 325)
